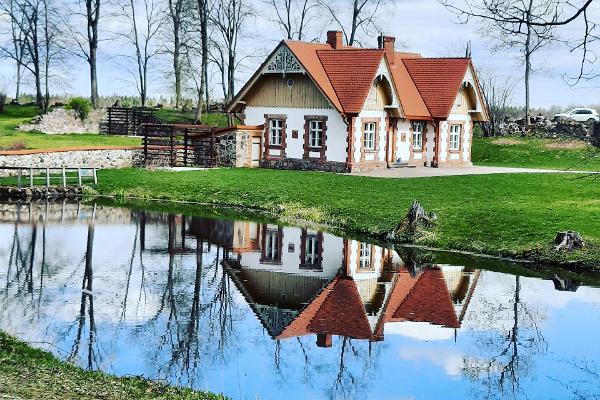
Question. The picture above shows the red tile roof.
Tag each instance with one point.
(351, 73)
(342, 313)
(438, 81)
(426, 87)
(429, 301)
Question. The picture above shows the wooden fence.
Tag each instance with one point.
(127, 121)
(47, 175)
(177, 145)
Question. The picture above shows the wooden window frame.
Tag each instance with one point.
(371, 256)
(412, 136)
(303, 240)
(307, 147)
(267, 136)
(263, 248)
(375, 135)
(460, 135)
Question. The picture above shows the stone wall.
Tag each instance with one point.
(97, 158)
(62, 211)
(305, 165)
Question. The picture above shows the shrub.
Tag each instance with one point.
(81, 106)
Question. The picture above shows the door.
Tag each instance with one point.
(256, 150)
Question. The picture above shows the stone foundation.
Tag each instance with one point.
(305, 165)
(39, 192)
(91, 158)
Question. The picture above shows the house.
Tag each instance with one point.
(301, 282)
(326, 106)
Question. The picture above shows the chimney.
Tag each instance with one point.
(324, 340)
(387, 43)
(335, 39)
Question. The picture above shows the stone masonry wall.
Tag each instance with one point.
(99, 158)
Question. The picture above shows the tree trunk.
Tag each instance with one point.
(93, 78)
(176, 61)
(18, 82)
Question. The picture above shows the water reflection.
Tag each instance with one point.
(256, 309)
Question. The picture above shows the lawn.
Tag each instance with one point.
(536, 153)
(509, 215)
(172, 116)
(10, 138)
(33, 374)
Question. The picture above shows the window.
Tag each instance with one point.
(311, 250)
(315, 134)
(454, 137)
(272, 246)
(275, 132)
(417, 128)
(365, 256)
(369, 135)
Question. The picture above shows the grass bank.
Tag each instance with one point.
(10, 138)
(34, 374)
(514, 215)
(515, 151)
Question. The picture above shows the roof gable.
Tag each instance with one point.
(411, 101)
(351, 73)
(438, 80)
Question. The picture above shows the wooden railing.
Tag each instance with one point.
(177, 145)
(46, 175)
(127, 121)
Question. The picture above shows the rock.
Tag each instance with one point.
(569, 241)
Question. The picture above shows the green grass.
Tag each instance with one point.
(34, 374)
(536, 153)
(17, 115)
(514, 215)
(172, 116)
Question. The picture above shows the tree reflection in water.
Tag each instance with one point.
(192, 296)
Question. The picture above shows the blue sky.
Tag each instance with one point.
(423, 26)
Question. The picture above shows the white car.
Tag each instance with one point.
(579, 115)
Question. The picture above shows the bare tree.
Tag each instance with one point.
(15, 49)
(85, 44)
(497, 92)
(293, 16)
(180, 13)
(228, 18)
(203, 17)
(526, 24)
(145, 28)
(363, 17)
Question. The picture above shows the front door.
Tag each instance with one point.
(256, 150)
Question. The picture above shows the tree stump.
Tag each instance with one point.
(413, 225)
(565, 284)
(569, 241)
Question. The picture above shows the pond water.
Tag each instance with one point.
(256, 310)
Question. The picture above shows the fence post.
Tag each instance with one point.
(145, 129)
(173, 155)
(19, 173)
(212, 148)
(47, 177)
(78, 176)
(95, 177)
(185, 147)
(30, 177)
(64, 177)
(110, 120)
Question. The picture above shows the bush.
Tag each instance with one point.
(81, 106)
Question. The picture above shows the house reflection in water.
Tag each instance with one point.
(303, 282)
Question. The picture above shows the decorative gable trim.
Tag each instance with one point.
(283, 61)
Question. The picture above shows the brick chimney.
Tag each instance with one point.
(324, 340)
(387, 43)
(335, 39)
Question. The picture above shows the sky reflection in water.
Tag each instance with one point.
(256, 310)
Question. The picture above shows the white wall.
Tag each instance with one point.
(466, 139)
(333, 256)
(336, 129)
(358, 133)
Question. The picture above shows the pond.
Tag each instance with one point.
(253, 309)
